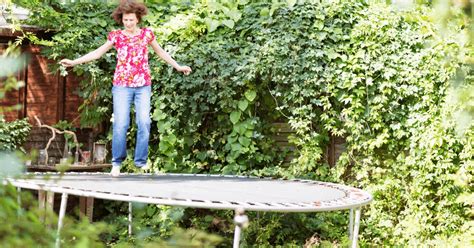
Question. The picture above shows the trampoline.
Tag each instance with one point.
(239, 193)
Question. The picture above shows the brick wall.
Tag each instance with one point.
(42, 88)
(46, 94)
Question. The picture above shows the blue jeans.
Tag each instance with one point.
(122, 100)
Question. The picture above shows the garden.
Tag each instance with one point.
(393, 81)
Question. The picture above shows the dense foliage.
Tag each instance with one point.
(13, 134)
(23, 223)
(376, 76)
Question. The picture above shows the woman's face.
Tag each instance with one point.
(130, 21)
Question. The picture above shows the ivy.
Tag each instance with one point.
(13, 134)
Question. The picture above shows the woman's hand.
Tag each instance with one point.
(184, 69)
(67, 63)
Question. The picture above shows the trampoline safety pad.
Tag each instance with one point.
(203, 191)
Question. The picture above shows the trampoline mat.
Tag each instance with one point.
(206, 191)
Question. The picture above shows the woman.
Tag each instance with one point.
(132, 81)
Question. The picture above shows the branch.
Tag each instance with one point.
(53, 133)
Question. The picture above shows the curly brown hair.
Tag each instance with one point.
(128, 7)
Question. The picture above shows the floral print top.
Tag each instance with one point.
(132, 68)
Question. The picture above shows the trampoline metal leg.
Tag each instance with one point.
(241, 221)
(130, 219)
(351, 223)
(354, 224)
(18, 199)
(62, 212)
(237, 236)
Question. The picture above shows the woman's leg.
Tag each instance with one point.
(122, 98)
(142, 109)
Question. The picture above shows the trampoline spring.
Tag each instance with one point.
(144, 196)
(259, 204)
(178, 199)
(292, 204)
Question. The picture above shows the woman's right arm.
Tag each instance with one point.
(97, 53)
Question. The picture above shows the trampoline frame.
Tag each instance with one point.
(240, 220)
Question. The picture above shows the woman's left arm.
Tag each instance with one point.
(166, 57)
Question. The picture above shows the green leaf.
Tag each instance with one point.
(244, 141)
(235, 116)
(231, 138)
(212, 24)
(243, 104)
(235, 15)
(150, 211)
(248, 133)
(171, 139)
(158, 115)
(242, 129)
(164, 146)
(236, 147)
(163, 126)
(250, 95)
(291, 3)
(229, 23)
(102, 23)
